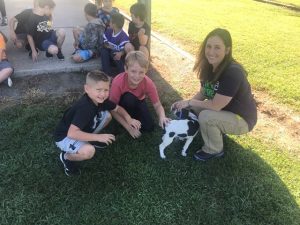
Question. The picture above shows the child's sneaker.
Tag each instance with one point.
(70, 168)
(4, 21)
(59, 55)
(9, 82)
(48, 55)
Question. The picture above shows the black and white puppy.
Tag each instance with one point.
(185, 127)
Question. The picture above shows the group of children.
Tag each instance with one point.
(123, 98)
(102, 36)
(78, 132)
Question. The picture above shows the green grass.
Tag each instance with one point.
(129, 184)
(265, 38)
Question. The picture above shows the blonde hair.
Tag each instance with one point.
(137, 56)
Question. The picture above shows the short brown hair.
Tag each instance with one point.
(96, 76)
(139, 10)
(91, 9)
(137, 56)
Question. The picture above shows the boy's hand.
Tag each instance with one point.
(135, 124)
(141, 32)
(135, 133)
(34, 56)
(118, 55)
(163, 121)
(106, 138)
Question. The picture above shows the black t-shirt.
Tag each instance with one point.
(22, 19)
(233, 83)
(133, 34)
(84, 114)
(40, 28)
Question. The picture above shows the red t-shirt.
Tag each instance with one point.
(145, 88)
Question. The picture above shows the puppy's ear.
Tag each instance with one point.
(173, 109)
(182, 114)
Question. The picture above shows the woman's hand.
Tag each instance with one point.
(180, 104)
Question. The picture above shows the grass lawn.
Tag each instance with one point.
(129, 184)
(265, 38)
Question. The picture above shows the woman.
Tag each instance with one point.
(224, 103)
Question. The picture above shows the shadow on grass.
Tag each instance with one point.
(128, 183)
(292, 7)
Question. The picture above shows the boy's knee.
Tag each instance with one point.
(88, 152)
(60, 33)
(144, 50)
(53, 49)
(205, 116)
(76, 58)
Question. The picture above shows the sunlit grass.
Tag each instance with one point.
(265, 38)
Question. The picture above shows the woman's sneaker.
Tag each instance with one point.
(203, 156)
(70, 167)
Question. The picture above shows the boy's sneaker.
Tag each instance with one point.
(48, 55)
(27, 47)
(9, 82)
(4, 21)
(70, 168)
(59, 55)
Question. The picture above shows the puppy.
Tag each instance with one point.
(185, 127)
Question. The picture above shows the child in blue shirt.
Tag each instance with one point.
(105, 12)
(88, 40)
(114, 43)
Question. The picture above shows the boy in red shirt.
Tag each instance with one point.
(130, 88)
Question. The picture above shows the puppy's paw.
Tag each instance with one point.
(162, 156)
(183, 154)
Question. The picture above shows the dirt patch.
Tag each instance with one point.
(276, 122)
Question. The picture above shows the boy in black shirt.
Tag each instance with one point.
(138, 30)
(18, 34)
(40, 33)
(82, 122)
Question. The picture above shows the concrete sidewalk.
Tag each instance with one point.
(67, 14)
